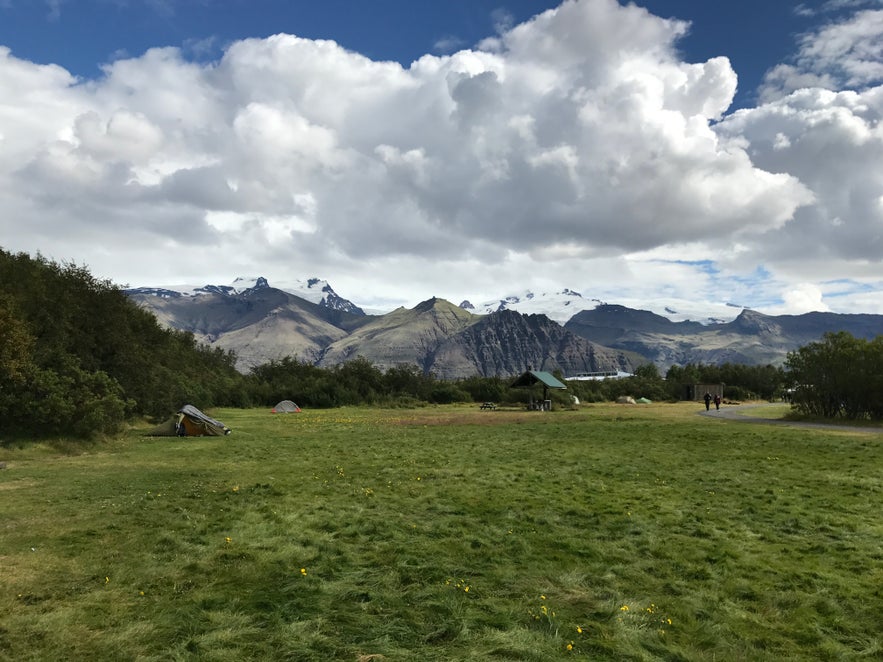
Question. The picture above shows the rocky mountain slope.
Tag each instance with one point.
(450, 342)
(507, 343)
(262, 323)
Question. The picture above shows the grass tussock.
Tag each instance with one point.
(608, 533)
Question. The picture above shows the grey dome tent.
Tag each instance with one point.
(286, 407)
(190, 422)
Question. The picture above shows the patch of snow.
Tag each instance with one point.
(558, 306)
(561, 305)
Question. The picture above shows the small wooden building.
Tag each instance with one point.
(697, 391)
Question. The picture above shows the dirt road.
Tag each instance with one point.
(741, 413)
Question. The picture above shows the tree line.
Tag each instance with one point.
(838, 377)
(79, 358)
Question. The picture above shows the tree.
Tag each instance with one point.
(838, 377)
(361, 377)
(16, 343)
(485, 389)
(99, 359)
(407, 380)
(647, 371)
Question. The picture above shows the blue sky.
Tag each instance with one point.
(463, 149)
(81, 35)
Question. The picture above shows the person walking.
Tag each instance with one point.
(707, 399)
(717, 402)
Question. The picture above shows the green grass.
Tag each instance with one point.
(626, 533)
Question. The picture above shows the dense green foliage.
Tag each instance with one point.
(840, 376)
(360, 382)
(741, 382)
(79, 358)
(447, 533)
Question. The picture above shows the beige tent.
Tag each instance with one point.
(190, 422)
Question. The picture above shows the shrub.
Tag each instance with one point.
(67, 401)
(839, 376)
(445, 393)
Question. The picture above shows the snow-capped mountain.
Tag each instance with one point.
(314, 290)
(559, 306)
(320, 292)
(238, 286)
(562, 305)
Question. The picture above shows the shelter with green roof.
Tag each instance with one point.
(533, 377)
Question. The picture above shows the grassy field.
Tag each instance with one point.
(608, 533)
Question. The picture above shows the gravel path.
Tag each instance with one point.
(738, 413)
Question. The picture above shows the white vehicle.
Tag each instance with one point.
(598, 375)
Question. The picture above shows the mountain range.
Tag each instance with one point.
(752, 338)
(560, 331)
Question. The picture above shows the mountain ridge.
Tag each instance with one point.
(261, 323)
(752, 338)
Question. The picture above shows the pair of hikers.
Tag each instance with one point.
(708, 399)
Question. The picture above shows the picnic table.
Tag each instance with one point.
(489, 405)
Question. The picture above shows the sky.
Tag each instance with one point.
(660, 154)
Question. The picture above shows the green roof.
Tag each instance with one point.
(532, 377)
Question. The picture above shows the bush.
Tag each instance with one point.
(64, 401)
(484, 389)
(445, 393)
(738, 393)
(841, 376)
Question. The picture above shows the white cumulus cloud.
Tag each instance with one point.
(578, 143)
